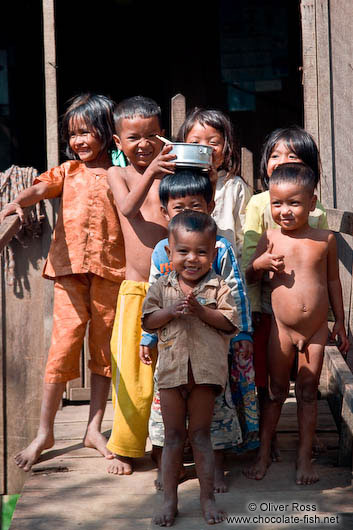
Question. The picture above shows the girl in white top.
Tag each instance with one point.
(214, 128)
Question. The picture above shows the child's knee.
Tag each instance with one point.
(306, 392)
(200, 438)
(278, 392)
(175, 438)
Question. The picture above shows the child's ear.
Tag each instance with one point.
(117, 141)
(214, 254)
(313, 203)
(210, 206)
(167, 249)
(165, 213)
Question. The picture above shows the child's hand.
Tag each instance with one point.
(178, 308)
(342, 340)
(163, 163)
(192, 305)
(145, 355)
(269, 262)
(244, 348)
(11, 208)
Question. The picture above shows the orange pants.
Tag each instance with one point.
(79, 299)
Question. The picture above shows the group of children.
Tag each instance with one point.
(146, 244)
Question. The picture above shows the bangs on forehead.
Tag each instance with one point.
(78, 120)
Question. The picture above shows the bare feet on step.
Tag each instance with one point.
(258, 469)
(167, 514)
(28, 457)
(305, 474)
(96, 440)
(120, 465)
(211, 513)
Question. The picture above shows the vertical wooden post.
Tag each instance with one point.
(50, 83)
(247, 167)
(317, 89)
(178, 113)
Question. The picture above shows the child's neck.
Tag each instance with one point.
(187, 286)
(103, 161)
(298, 232)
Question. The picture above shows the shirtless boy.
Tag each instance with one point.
(303, 268)
(135, 190)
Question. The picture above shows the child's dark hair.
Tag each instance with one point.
(219, 121)
(136, 106)
(297, 140)
(97, 112)
(193, 221)
(184, 182)
(294, 173)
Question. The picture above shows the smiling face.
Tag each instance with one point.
(291, 205)
(192, 254)
(137, 139)
(83, 141)
(207, 135)
(196, 203)
(281, 154)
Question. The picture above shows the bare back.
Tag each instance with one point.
(300, 294)
(143, 231)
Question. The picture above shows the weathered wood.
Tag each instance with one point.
(340, 398)
(8, 229)
(178, 112)
(324, 101)
(340, 221)
(247, 167)
(308, 16)
(50, 83)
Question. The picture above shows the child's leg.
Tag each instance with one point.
(173, 407)
(100, 386)
(200, 408)
(309, 369)
(52, 394)
(280, 357)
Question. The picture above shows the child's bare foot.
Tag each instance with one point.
(96, 440)
(275, 451)
(167, 514)
(120, 465)
(219, 485)
(258, 469)
(211, 513)
(305, 472)
(28, 457)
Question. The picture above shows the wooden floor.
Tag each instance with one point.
(71, 489)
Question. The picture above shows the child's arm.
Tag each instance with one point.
(263, 260)
(212, 317)
(129, 201)
(27, 197)
(335, 295)
(161, 317)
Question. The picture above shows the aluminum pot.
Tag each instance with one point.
(192, 155)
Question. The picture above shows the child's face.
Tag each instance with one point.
(280, 154)
(190, 202)
(137, 139)
(83, 142)
(207, 135)
(291, 205)
(192, 254)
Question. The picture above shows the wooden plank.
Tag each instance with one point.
(50, 83)
(324, 102)
(310, 84)
(247, 167)
(2, 387)
(178, 113)
(8, 229)
(340, 221)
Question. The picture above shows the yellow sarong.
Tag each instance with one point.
(132, 381)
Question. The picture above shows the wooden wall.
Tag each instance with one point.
(327, 34)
